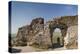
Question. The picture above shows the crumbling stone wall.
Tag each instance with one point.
(64, 23)
(71, 38)
(40, 34)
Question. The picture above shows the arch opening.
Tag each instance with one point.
(62, 28)
(57, 38)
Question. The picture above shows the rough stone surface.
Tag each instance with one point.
(40, 34)
(71, 39)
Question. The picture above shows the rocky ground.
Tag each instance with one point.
(32, 49)
(26, 49)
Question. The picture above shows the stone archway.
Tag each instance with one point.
(62, 27)
(57, 38)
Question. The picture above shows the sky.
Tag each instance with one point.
(22, 13)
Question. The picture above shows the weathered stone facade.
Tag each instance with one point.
(40, 34)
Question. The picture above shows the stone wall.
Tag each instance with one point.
(71, 38)
(39, 34)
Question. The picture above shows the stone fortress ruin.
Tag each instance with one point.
(40, 34)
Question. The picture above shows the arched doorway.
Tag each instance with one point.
(57, 38)
(63, 28)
